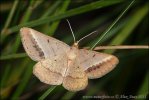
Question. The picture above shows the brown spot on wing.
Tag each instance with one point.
(101, 69)
(94, 55)
(94, 67)
(35, 45)
(48, 40)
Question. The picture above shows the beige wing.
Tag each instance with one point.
(96, 64)
(51, 71)
(39, 46)
(75, 78)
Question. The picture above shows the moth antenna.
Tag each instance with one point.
(71, 31)
(86, 36)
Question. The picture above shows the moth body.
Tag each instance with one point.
(58, 63)
(73, 52)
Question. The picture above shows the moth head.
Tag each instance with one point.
(75, 45)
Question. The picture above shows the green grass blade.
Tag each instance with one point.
(14, 76)
(111, 26)
(143, 91)
(110, 34)
(5, 76)
(3, 32)
(13, 56)
(10, 16)
(42, 97)
(72, 12)
(23, 83)
(51, 9)
(129, 27)
(68, 95)
(54, 25)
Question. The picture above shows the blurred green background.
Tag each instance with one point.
(129, 78)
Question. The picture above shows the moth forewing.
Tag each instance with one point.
(39, 46)
(96, 64)
(30, 45)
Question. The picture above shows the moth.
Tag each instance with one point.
(59, 63)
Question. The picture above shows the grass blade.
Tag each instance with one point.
(13, 56)
(68, 95)
(143, 91)
(54, 25)
(51, 9)
(111, 26)
(42, 97)
(129, 27)
(10, 16)
(72, 12)
(23, 83)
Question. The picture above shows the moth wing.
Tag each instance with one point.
(51, 71)
(40, 46)
(96, 64)
(75, 78)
